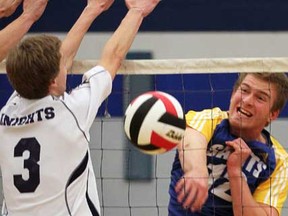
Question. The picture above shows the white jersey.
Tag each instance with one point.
(44, 151)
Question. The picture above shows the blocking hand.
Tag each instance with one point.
(103, 4)
(147, 6)
(34, 8)
(8, 7)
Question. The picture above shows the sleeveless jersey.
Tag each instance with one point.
(44, 150)
(265, 170)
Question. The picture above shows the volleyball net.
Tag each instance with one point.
(187, 66)
(131, 183)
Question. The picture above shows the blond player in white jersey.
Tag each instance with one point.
(44, 131)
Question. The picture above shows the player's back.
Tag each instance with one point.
(45, 162)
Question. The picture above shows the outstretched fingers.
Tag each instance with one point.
(8, 7)
(103, 4)
(146, 6)
(34, 8)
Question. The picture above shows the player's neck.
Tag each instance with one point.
(248, 136)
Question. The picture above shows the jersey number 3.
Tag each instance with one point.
(31, 163)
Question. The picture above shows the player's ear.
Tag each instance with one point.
(274, 115)
(52, 86)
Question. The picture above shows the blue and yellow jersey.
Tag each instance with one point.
(274, 191)
(265, 170)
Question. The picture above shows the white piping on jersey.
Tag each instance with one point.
(198, 118)
(277, 185)
(284, 168)
(281, 185)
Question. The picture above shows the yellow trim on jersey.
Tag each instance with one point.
(273, 191)
(206, 120)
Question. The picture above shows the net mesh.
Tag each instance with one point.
(129, 182)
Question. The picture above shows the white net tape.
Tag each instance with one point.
(183, 66)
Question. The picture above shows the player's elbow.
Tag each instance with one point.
(111, 60)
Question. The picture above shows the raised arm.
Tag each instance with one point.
(192, 189)
(118, 45)
(71, 43)
(12, 34)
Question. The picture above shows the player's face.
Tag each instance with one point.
(250, 107)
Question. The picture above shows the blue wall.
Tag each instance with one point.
(174, 15)
(195, 91)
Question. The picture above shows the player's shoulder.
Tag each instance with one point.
(280, 152)
(97, 70)
(207, 114)
(96, 81)
(205, 120)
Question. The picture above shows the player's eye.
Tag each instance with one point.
(243, 90)
(262, 98)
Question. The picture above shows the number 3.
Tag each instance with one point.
(31, 163)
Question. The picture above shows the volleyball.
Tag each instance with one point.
(154, 122)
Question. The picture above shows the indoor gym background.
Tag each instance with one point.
(176, 29)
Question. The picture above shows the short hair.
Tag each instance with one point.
(280, 80)
(33, 64)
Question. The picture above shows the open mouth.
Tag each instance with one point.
(244, 112)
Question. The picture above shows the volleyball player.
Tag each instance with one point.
(13, 33)
(44, 131)
(228, 164)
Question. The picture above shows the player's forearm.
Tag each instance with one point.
(242, 199)
(192, 151)
(71, 43)
(13, 33)
(118, 45)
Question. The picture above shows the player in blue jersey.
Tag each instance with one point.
(13, 33)
(44, 131)
(228, 164)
